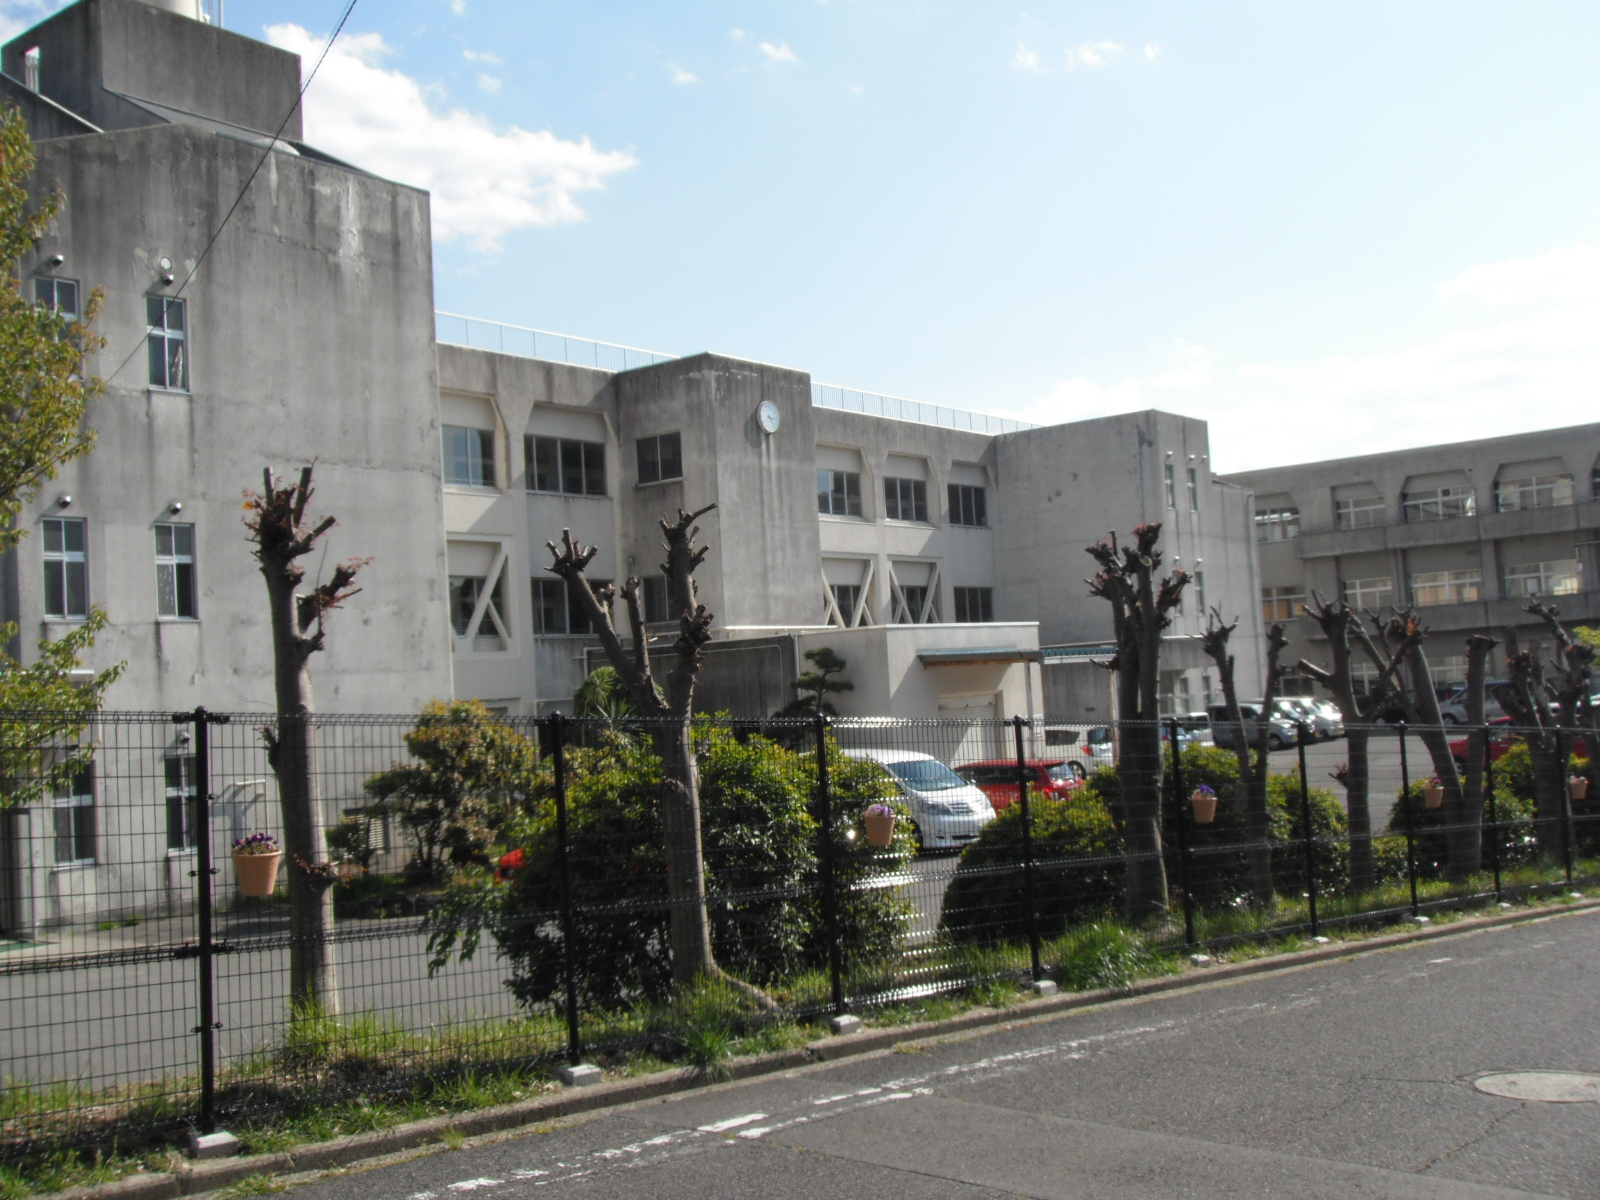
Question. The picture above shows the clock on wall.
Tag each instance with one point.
(768, 416)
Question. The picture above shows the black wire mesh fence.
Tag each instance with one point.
(492, 895)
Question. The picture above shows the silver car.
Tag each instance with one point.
(947, 811)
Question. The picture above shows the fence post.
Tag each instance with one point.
(1300, 740)
(557, 725)
(206, 950)
(1405, 811)
(1569, 834)
(830, 906)
(1182, 819)
(1029, 892)
(1494, 821)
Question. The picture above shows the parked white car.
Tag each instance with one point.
(1453, 708)
(948, 812)
(1321, 725)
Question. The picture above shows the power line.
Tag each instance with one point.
(239, 199)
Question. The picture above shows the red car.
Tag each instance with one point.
(997, 778)
(1499, 742)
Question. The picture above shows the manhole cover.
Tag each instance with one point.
(1554, 1087)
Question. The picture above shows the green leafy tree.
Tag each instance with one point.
(470, 774)
(604, 695)
(44, 399)
(817, 685)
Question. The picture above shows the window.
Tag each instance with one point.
(1447, 672)
(905, 499)
(1533, 491)
(175, 571)
(1369, 593)
(1564, 577)
(1285, 603)
(1169, 473)
(660, 457)
(846, 596)
(1194, 490)
(1594, 482)
(465, 593)
(1359, 512)
(968, 505)
(838, 492)
(564, 465)
(1200, 590)
(974, 604)
(58, 295)
(183, 800)
(557, 612)
(31, 76)
(167, 338)
(468, 456)
(1277, 524)
(66, 568)
(72, 807)
(1446, 587)
(656, 599)
(1440, 503)
(916, 599)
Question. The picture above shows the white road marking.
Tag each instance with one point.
(472, 1185)
(1436, 961)
(733, 1122)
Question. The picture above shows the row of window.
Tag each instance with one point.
(1562, 577)
(166, 328)
(74, 815)
(974, 605)
(1279, 522)
(1170, 476)
(567, 466)
(839, 495)
(65, 542)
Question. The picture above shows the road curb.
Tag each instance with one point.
(196, 1178)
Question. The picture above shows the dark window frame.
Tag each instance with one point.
(176, 564)
(974, 605)
(75, 822)
(905, 499)
(838, 492)
(659, 458)
(474, 453)
(969, 505)
(167, 342)
(66, 591)
(555, 462)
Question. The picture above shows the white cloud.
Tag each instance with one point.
(1027, 60)
(459, 7)
(681, 76)
(17, 15)
(482, 56)
(1152, 51)
(489, 83)
(1524, 354)
(736, 34)
(1092, 54)
(486, 182)
(779, 53)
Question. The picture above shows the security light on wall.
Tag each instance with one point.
(64, 500)
(55, 260)
(175, 507)
(167, 279)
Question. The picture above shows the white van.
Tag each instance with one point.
(947, 811)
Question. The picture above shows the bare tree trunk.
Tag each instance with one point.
(680, 829)
(1463, 834)
(277, 527)
(1357, 785)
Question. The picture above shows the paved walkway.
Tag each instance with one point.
(1349, 1079)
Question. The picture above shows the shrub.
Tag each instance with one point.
(760, 839)
(1513, 811)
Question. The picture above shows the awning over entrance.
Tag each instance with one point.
(965, 655)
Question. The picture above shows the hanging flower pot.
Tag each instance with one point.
(879, 820)
(255, 864)
(1205, 805)
(1578, 787)
(1433, 793)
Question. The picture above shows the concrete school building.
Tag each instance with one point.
(945, 564)
(1468, 532)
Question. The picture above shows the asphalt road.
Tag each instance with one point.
(1347, 1079)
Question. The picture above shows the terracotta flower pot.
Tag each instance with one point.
(880, 829)
(257, 873)
(1578, 787)
(1432, 795)
(1205, 806)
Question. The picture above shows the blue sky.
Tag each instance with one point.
(1325, 228)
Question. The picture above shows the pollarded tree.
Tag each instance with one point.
(1540, 709)
(667, 713)
(1141, 608)
(1252, 775)
(282, 537)
(1341, 626)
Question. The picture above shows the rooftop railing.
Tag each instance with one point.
(830, 395)
(455, 330)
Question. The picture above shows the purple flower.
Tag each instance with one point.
(1206, 790)
(256, 843)
(879, 810)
